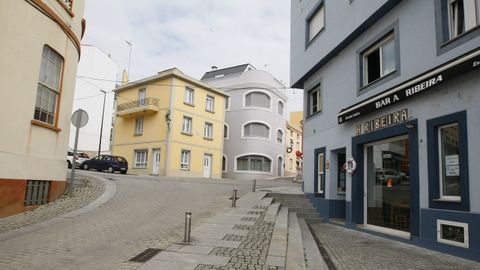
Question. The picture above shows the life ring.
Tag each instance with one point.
(350, 165)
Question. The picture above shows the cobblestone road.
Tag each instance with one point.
(145, 212)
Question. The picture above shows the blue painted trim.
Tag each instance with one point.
(433, 163)
(318, 6)
(358, 177)
(369, 22)
(327, 208)
(315, 173)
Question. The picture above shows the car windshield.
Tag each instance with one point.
(121, 159)
(83, 155)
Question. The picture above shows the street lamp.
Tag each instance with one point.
(101, 127)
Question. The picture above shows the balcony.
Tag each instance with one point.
(138, 107)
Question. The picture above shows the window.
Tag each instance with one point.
(452, 233)
(253, 163)
(139, 126)
(448, 162)
(321, 172)
(225, 131)
(142, 96)
(48, 87)
(210, 104)
(37, 192)
(224, 163)
(185, 160)
(280, 108)
(379, 60)
(188, 98)
(315, 23)
(208, 130)
(227, 103)
(315, 100)
(187, 125)
(463, 15)
(140, 159)
(258, 100)
(279, 136)
(256, 130)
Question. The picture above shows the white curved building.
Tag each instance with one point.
(254, 132)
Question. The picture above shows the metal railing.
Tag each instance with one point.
(150, 101)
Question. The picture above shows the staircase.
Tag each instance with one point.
(298, 204)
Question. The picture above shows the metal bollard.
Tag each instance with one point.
(254, 187)
(234, 198)
(188, 227)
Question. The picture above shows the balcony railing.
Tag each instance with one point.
(141, 106)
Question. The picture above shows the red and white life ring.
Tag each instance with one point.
(350, 165)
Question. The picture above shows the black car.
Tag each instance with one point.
(106, 163)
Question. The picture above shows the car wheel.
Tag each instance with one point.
(110, 170)
(69, 164)
(123, 172)
(85, 167)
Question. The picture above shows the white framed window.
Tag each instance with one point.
(210, 104)
(225, 131)
(315, 100)
(257, 100)
(208, 131)
(452, 233)
(279, 136)
(254, 163)
(142, 96)
(141, 158)
(185, 160)
(280, 107)
(315, 23)
(321, 173)
(463, 15)
(139, 126)
(449, 162)
(224, 163)
(187, 125)
(188, 96)
(227, 103)
(48, 87)
(379, 60)
(256, 130)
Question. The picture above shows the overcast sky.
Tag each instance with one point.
(193, 35)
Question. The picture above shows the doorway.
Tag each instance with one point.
(207, 165)
(387, 186)
(280, 167)
(156, 162)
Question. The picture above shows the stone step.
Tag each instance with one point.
(277, 250)
(272, 212)
(308, 215)
(295, 254)
(302, 210)
(313, 257)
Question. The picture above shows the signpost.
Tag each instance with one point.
(79, 119)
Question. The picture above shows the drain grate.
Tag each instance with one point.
(145, 255)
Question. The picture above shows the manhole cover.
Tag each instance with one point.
(145, 255)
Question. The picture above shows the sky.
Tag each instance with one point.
(192, 35)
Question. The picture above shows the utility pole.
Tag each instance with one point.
(101, 126)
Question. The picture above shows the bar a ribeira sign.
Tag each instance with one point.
(382, 122)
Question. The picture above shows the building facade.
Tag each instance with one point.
(38, 67)
(293, 144)
(170, 124)
(254, 131)
(391, 116)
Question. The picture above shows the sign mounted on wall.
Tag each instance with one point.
(413, 87)
(382, 122)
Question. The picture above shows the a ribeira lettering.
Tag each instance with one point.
(422, 86)
(382, 122)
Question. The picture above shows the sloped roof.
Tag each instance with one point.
(218, 73)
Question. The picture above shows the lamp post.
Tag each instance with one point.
(101, 126)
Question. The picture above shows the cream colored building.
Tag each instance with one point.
(40, 52)
(170, 124)
(294, 143)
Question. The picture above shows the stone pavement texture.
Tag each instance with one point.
(349, 249)
(144, 212)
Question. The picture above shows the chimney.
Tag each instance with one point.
(214, 68)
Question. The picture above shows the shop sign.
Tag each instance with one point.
(413, 87)
(382, 122)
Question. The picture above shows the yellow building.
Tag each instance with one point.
(294, 143)
(170, 124)
(40, 54)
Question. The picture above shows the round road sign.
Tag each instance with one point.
(79, 118)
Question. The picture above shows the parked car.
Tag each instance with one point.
(81, 157)
(384, 175)
(107, 163)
